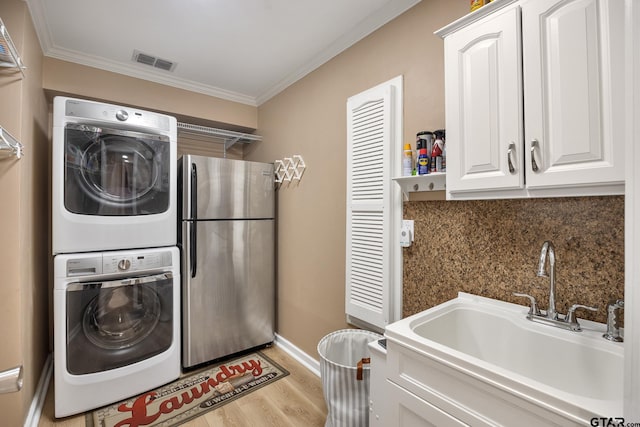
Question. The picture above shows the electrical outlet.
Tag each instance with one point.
(408, 224)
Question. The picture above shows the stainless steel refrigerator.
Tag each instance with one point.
(226, 238)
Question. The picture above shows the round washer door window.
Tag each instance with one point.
(121, 317)
(119, 169)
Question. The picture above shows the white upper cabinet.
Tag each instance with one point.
(483, 86)
(534, 99)
(573, 86)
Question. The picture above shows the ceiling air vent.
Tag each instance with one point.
(152, 61)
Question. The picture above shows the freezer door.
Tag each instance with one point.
(228, 289)
(226, 188)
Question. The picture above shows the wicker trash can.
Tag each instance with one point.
(344, 369)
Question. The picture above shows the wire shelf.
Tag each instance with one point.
(9, 57)
(227, 136)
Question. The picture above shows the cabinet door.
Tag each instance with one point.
(484, 105)
(573, 92)
(408, 410)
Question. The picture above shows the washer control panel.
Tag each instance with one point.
(118, 262)
(135, 262)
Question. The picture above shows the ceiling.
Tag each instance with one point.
(241, 50)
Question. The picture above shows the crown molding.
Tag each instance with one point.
(367, 26)
(156, 77)
(40, 23)
(50, 50)
(472, 17)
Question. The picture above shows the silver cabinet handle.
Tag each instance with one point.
(534, 145)
(11, 380)
(510, 150)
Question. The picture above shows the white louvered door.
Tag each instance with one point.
(373, 273)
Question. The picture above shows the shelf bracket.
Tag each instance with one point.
(435, 181)
(230, 143)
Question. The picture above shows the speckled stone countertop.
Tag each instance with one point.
(491, 248)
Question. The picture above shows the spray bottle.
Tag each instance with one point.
(407, 160)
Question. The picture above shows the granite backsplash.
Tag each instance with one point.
(491, 248)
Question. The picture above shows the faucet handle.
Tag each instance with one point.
(533, 308)
(613, 326)
(614, 304)
(571, 315)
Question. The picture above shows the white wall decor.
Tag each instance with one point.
(289, 169)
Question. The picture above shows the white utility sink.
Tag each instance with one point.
(577, 375)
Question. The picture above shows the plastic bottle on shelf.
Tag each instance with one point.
(436, 157)
(407, 160)
(423, 162)
(437, 164)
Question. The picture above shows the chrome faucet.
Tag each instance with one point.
(551, 315)
(613, 327)
(550, 250)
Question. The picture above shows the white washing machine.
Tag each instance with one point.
(116, 326)
(114, 177)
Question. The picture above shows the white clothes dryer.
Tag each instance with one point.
(116, 326)
(114, 177)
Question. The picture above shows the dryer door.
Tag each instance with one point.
(115, 172)
(117, 323)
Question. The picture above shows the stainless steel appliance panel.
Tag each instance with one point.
(215, 188)
(228, 287)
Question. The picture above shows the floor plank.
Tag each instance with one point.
(295, 400)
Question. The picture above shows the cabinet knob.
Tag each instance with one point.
(534, 164)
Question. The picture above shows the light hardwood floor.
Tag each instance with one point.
(295, 400)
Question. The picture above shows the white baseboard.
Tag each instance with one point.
(35, 410)
(307, 361)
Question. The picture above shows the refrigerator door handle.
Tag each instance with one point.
(193, 230)
(194, 192)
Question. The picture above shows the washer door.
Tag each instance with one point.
(115, 172)
(121, 317)
(117, 323)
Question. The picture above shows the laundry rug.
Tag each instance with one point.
(191, 395)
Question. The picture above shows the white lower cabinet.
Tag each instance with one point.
(379, 389)
(408, 410)
(428, 391)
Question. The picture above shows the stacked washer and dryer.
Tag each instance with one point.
(116, 264)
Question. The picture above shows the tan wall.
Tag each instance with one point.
(24, 226)
(66, 78)
(309, 118)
